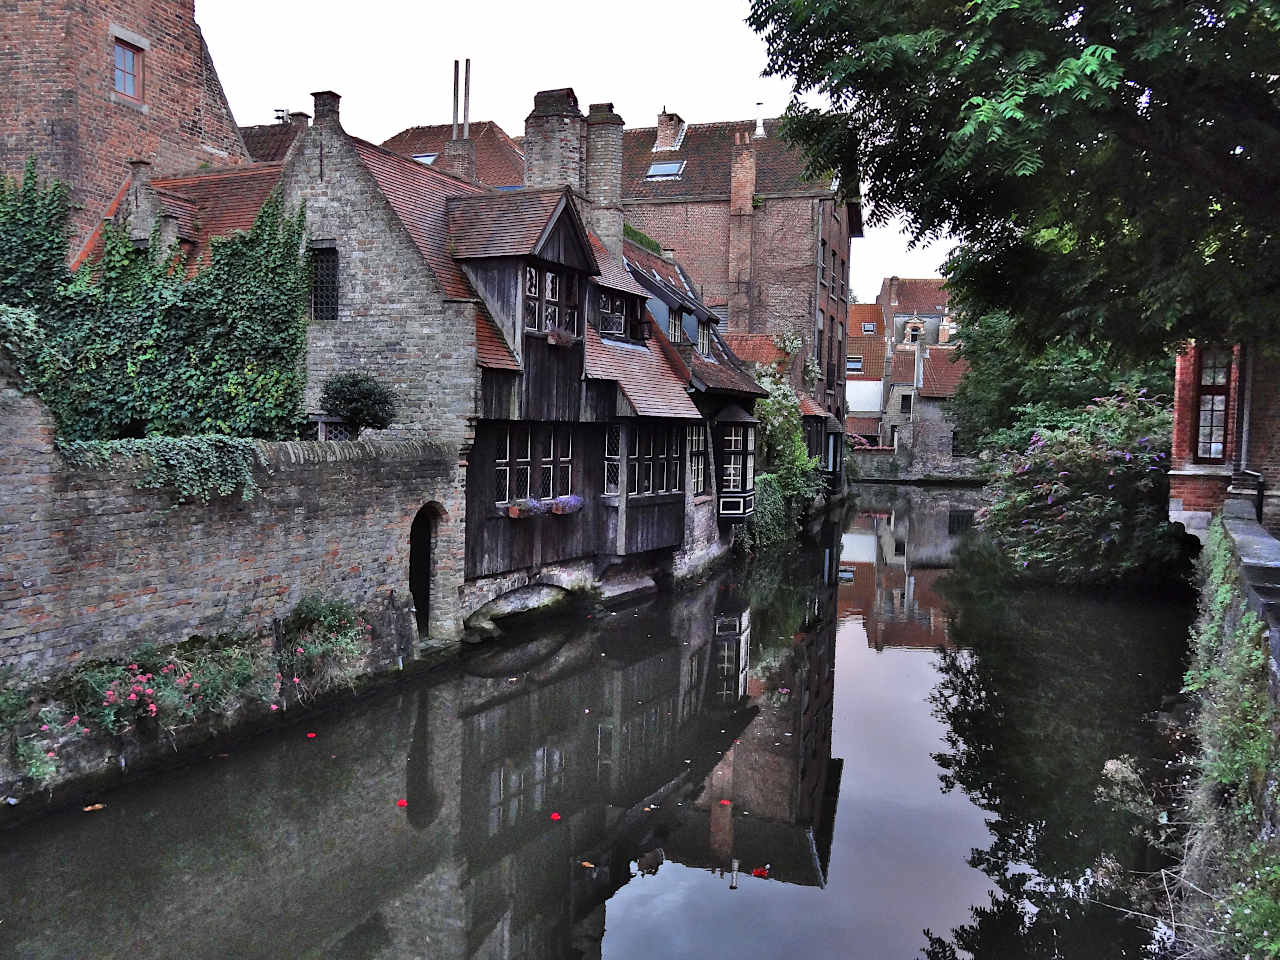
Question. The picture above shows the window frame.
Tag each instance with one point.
(1212, 390)
(508, 463)
(138, 74)
(325, 263)
(696, 439)
(905, 403)
(849, 364)
(652, 174)
(868, 327)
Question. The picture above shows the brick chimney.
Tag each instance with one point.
(604, 176)
(458, 155)
(893, 291)
(554, 141)
(325, 106)
(742, 190)
(299, 119)
(669, 127)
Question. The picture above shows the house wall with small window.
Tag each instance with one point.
(384, 314)
(96, 85)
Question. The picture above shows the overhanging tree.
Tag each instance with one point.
(1108, 169)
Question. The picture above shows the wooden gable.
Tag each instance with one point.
(564, 240)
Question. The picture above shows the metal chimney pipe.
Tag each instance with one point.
(453, 134)
(466, 104)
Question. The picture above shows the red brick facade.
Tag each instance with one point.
(60, 106)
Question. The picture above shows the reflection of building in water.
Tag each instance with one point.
(897, 546)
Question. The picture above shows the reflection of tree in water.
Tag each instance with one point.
(1045, 690)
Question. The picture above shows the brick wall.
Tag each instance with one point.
(93, 564)
(1264, 419)
(59, 103)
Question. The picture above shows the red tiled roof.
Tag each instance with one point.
(915, 295)
(655, 265)
(943, 368)
(499, 161)
(860, 313)
(808, 408)
(492, 351)
(217, 203)
(506, 224)
(613, 273)
(419, 195)
(758, 348)
(93, 245)
(642, 373)
(870, 347)
(707, 149)
(904, 365)
(269, 142)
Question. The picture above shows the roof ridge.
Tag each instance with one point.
(711, 123)
(258, 166)
(422, 168)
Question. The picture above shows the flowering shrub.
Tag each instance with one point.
(169, 687)
(1088, 504)
(324, 642)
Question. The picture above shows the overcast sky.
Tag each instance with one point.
(392, 62)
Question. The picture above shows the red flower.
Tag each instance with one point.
(402, 802)
(311, 736)
(555, 815)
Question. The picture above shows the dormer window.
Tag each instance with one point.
(427, 159)
(665, 170)
(620, 315)
(675, 327)
(550, 300)
(704, 338)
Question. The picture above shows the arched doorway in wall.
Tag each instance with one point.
(422, 537)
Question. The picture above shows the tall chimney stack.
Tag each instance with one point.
(325, 106)
(604, 176)
(669, 127)
(553, 141)
(458, 156)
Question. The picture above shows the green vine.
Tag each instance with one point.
(198, 467)
(136, 356)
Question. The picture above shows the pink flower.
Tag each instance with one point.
(50, 754)
(299, 649)
(84, 729)
(152, 709)
(133, 696)
(275, 707)
(150, 691)
(76, 717)
(44, 726)
(296, 680)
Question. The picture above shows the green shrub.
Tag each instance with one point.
(360, 400)
(788, 479)
(324, 642)
(36, 760)
(195, 467)
(1088, 504)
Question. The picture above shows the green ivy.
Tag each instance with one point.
(641, 239)
(132, 345)
(198, 467)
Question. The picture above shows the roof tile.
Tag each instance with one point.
(500, 224)
(904, 365)
(643, 374)
(922, 295)
(217, 203)
(499, 162)
(943, 369)
(870, 347)
(269, 142)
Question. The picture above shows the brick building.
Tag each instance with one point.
(766, 245)
(1226, 432)
(915, 309)
(89, 87)
(864, 374)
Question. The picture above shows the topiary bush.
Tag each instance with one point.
(360, 400)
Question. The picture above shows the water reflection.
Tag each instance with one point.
(659, 781)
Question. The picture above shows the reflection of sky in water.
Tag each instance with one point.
(898, 859)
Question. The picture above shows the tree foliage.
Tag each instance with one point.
(1088, 503)
(787, 479)
(1006, 397)
(1107, 168)
(130, 345)
(360, 400)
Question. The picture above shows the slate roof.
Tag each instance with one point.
(645, 377)
(943, 368)
(904, 365)
(499, 161)
(269, 142)
(216, 203)
(707, 149)
(922, 295)
(870, 347)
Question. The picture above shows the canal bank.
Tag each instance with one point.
(876, 752)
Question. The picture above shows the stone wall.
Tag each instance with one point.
(92, 565)
(60, 105)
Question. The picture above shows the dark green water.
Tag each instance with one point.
(897, 745)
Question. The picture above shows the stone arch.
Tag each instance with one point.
(422, 566)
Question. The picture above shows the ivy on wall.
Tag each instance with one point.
(131, 345)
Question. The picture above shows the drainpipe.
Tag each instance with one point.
(1247, 403)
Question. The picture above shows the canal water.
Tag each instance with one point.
(860, 748)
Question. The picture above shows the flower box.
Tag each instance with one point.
(526, 508)
(562, 506)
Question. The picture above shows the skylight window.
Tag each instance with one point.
(869, 327)
(665, 169)
(426, 158)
